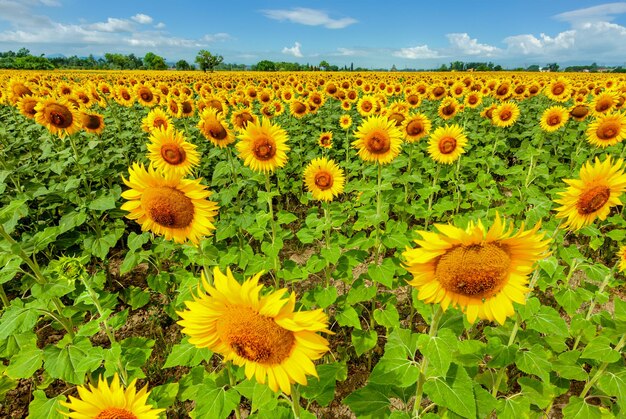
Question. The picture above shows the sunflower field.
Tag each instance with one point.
(331, 245)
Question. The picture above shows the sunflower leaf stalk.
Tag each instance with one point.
(432, 332)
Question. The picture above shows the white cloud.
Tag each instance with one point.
(310, 17)
(530, 45)
(295, 50)
(141, 18)
(418, 52)
(159, 25)
(464, 45)
(600, 13)
(112, 25)
(216, 37)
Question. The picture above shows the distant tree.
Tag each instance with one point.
(497, 67)
(154, 62)
(552, 67)
(533, 67)
(324, 65)
(23, 52)
(457, 66)
(208, 61)
(183, 65)
(266, 65)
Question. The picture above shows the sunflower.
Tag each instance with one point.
(58, 115)
(112, 401)
(156, 118)
(553, 118)
(604, 102)
(481, 271)
(622, 258)
(26, 105)
(505, 114)
(326, 139)
(345, 121)
(260, 332)
(607, 130)
(448, 108)
(558, 90)
(416, 127)
(92, 122)
(473, 99)
(446, 144)
(16, 89)
(145, 95)
(263, 146)
(241, 117)
(169, 206)
(378, 140)
(579, 111)
(169, 152)
(324, 179)
(592, 195)
(124, 96)
(366, 105)
(173, 107)
(214, 128)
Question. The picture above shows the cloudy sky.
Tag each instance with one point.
(371, 34)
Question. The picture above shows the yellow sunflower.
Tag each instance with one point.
(481, 271)
(591, 196)
(416, 127)
(473, 99)
(607, 130)
(622, 258)
(345, 121)
(263, 146)
(298, 108)
(559, 89)
(92, 122)
(378, 140)
(214, 128)
(366, 105)
(505, 114)
(324, 179)
(579, 111)
(169, 152)
(156, 118)
(108, 402)
(58, 115)
(553, 118)
(446, 144)
(260, 332)
(448, 108)
(241, 117)
(326, 139)
(604, 102)
(169, 206)
(26, 105)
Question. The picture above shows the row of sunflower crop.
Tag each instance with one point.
(330, 178)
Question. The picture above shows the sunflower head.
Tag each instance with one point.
(263, 146)
(447, 144)
(607, 130)
(261, 332)
(505, 114)
(345, 121)
(169, 206)
(170, 152)
(214, 128)
(553, 118)
(92, 122)
(325, 139)
(416, 127)
(481, 271)
(324, 179)
(156, 118)
(378, 140)
(593, 194)
(58, 115)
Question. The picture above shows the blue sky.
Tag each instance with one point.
(370, 34)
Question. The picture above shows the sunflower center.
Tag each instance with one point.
(448, 110)
(438, 91)
(146, 95)
(447, 145)
(579, 111)
(398, 117)
(502, 90)
(299, 107)
(413, 99)
(472, 100)
(168, 207)
(173, 154)
(125, 96)
(323, 180)
(474, 270)
(243, 119)
(414, 128)
(602, 106)
(187, 108)
(325, 140)
(607, 130)
(92, 122)
(593, 199)
(554, 120)
(59, 116)
(255, 337)
(505, 115)
(115, 413)
(558, 89)
(217, 130)
(159, 122)
(367, 106)
(264, 149)
(378, 143)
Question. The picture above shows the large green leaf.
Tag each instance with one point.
(186, 355)
(454, 391)
(370, 402)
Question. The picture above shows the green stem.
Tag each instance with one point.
(379, 205)
(531, 166)
(408, 172)
(502, 370)
(432, 196)
(327, 241)
(601, 368)
(295, 401)
(3, 296)
(268, 188)
(233, 382)
(432, 332)
(347, 174)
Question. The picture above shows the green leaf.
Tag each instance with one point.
(25, 363)
(572, 299)
(163, 396)
(534, 361)
(263, 397)
(540, 393)
(135, 297)
(324, 297)
(331, 254)
(186, 355)
(360, 292)
(397, 365)
(600, 349)
(70, 361)
(11, 214)
(363, 340)
(322, 390)
(17, 319)
(389, 317)
(136, 241)
(514, 408)
(438, 350)
(613, 383)
(577, 408)
(370, 402)
(455, 391)
(383, 273)
(285, 217)
(566, 366)
(6, 384)
(215, 402)
(42, 407)
(102, 203)
(348, 317)
(548, 321)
